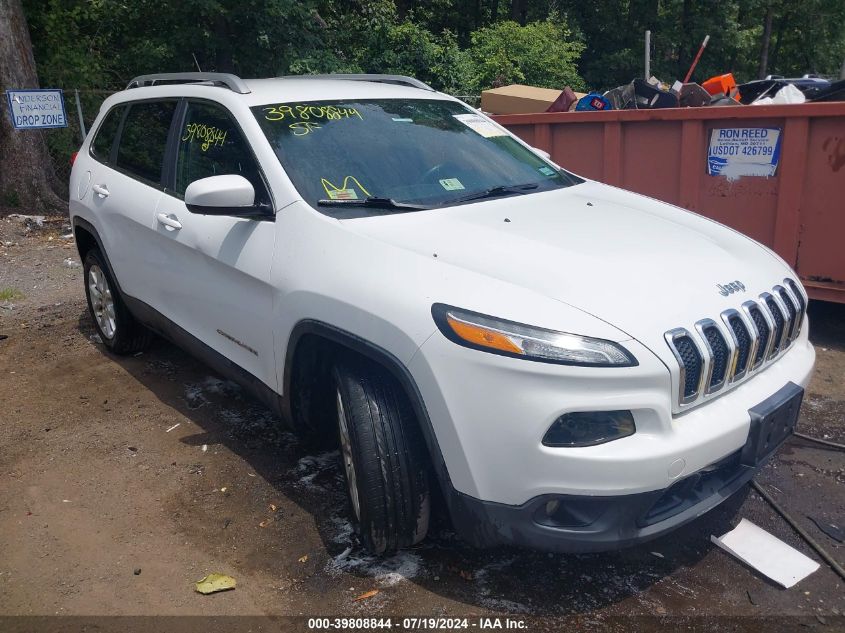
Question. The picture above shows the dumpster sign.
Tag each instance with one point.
(36, 109)
(743, 151)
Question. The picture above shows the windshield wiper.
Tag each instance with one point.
(494, 192)
(373, 201)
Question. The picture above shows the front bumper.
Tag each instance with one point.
(488, 415)
(566, 523)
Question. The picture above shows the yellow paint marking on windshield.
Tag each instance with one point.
(305, 112)
(301, 128)
(332, 190)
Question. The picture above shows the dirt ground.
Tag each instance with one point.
(124, 480)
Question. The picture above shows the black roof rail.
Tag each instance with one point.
(227, 80)
(401, 80)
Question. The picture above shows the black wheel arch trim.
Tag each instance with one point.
(85, 225)
(391, 364)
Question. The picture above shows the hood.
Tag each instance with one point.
(639, 264)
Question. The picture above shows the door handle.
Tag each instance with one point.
(168, 219)
(101, 190)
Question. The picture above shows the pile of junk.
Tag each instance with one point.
(642, 94)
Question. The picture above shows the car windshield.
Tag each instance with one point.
(396, 155)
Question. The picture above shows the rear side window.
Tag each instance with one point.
(103, 142)
(144, 139)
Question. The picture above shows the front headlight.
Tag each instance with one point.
(507, 338)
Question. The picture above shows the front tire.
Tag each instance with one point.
(384, 459)
(118, 329)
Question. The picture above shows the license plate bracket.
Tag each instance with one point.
(772, 421)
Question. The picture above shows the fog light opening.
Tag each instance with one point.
(589, 428)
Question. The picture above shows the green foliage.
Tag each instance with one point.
(10, 294)
(460, 46)
(540, 54)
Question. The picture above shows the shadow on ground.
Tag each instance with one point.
(504, 579)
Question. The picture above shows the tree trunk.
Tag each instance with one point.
(494, 11)
(766, 40)
(519, 11)
(684, 59)
(223, 62)
(27, 178)
(778, 39)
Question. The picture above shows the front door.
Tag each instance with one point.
(215, 270)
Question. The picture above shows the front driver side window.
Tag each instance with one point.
(210, 144)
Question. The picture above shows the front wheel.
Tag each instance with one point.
(384, 459)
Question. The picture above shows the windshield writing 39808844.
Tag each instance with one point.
(208, 135)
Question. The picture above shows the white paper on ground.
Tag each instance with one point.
(766, 553)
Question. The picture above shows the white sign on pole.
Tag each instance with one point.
(37, 109)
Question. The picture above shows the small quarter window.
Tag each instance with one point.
(102, 144)
(144, 139)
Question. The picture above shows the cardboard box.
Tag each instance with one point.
(518, 99)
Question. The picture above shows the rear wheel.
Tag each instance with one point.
(118, 329)
(384, 459)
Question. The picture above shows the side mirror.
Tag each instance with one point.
(542, 153)
(223, 195)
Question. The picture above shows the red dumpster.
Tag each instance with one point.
(799, 211)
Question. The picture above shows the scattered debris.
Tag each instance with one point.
(205, 448)
(833, 531)
(173, 427)
(302, 559)
(766, 553)
(658, 554)
(223, 489)
(72, 263)
(366, 595)
(265, 523)
(29, 221)
(273, 507)
(137, 571)
(214, 583)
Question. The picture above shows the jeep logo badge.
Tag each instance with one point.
(730, 288)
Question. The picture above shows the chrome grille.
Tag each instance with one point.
(774, 309)
(800, 301)
(721, 353)
(763, 324)
(743, 340)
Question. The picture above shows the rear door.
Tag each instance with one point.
(215, 270)
(126, 185)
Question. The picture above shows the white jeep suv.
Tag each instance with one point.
(574, 367)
